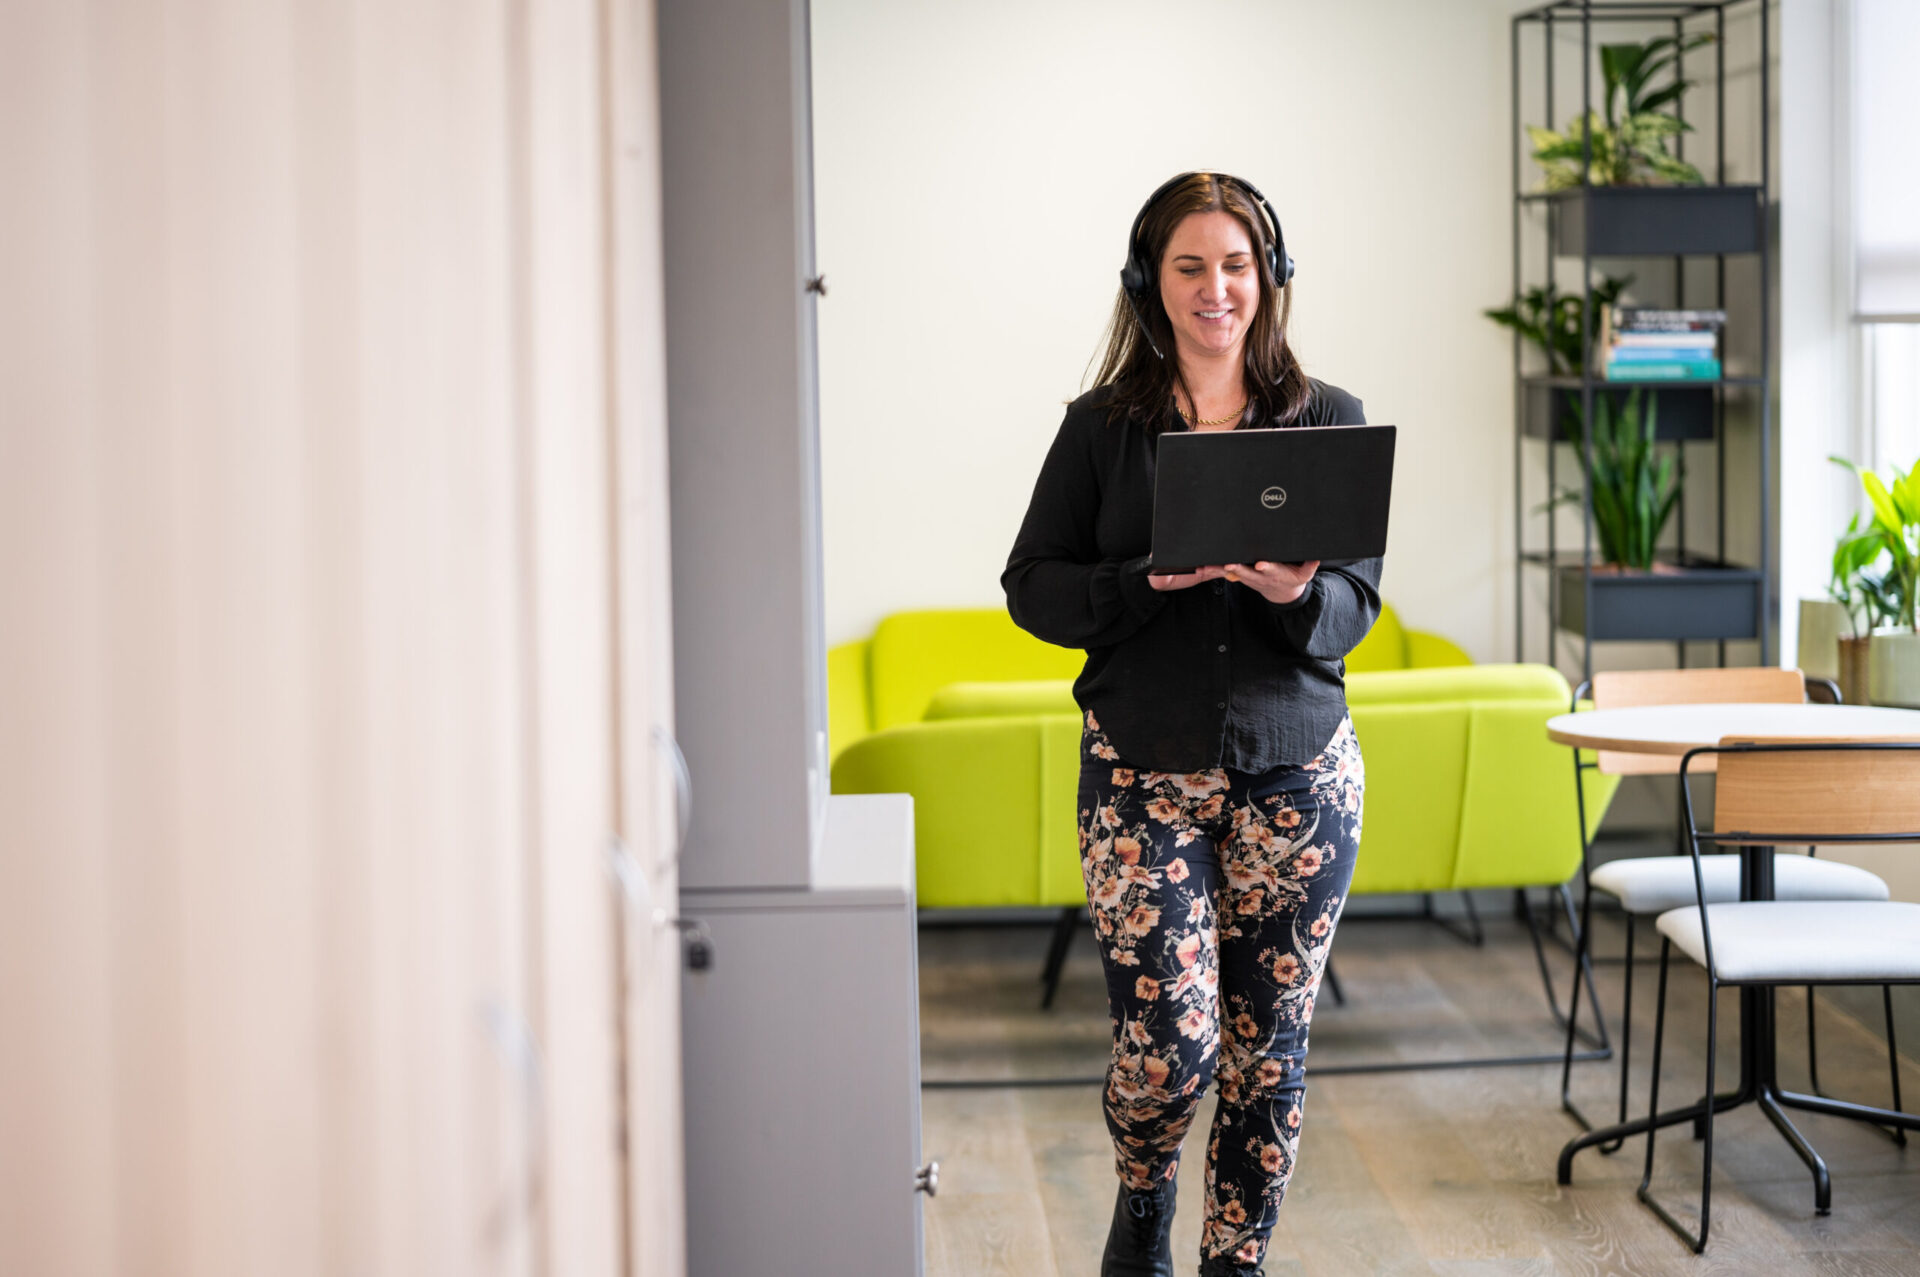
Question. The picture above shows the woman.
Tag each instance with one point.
(1220, 780)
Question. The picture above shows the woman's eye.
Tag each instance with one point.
(1189, 271)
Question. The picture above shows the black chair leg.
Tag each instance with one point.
(1583, 970)
(1813, 1053)
(1893, 1062)
(1626, 1035)
(1332, 982)
(1697, 1242)
(1895, 1133)
(1063, 929)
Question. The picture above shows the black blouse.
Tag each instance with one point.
(1180, 680)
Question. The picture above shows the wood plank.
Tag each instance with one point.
(1448, 1171)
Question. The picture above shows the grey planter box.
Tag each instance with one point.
(1656, 221)
(1705, 600)
(1685, 413)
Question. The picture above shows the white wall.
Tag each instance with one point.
(977, 168)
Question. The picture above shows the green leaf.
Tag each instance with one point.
(1884, 512)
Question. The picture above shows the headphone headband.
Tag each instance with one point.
(1136, 276)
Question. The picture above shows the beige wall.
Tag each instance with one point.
(977, 169)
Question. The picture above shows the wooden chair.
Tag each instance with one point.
(1647, 886)
(1781, 791)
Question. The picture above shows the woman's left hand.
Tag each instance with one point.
(1276, 582)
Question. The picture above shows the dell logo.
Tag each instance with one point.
(1273, 498)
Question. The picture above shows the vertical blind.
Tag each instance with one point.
(1886, 161)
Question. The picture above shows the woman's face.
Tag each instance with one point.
(1210, 283)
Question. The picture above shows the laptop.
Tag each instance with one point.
(1276, 495)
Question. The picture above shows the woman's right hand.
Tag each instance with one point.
(1184, 580)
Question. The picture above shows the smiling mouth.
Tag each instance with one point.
(1213, 314)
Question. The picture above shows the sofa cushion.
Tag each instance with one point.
(914, 654)
(991, 700)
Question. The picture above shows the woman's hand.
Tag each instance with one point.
(1276, 582)
(1183, 580)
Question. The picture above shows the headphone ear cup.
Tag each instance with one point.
(1285, 273)
(1133, 279)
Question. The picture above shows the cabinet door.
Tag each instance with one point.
(802, 1089)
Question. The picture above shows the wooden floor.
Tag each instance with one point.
(1432, 1172)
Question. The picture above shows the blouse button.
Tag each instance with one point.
(1219, 587)
(1219, 704)
(1223, 647)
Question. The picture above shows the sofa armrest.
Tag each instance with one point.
(993, 805)
(849, 711)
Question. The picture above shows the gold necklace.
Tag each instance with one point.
(1235, 415)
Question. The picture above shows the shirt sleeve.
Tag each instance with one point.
(1059, 588)
(1332, 615)
(1340, 604)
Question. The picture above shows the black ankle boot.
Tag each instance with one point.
(1138, 1243)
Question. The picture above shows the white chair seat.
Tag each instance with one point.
(1865, 940)
(1655, 884)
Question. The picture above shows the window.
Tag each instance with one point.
(1885, 201)
(1890, 394)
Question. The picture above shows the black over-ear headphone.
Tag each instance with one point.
(1136, 275)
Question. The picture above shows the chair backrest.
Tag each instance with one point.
(1629, 689)
(1816, 794)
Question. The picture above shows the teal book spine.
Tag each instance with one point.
(1691, 370)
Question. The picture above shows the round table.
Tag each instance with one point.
(1675, 729)
(1672, 730)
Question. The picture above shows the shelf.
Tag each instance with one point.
(1653, 221)
(1574, 383)
(1686, 407)
(1704, 600)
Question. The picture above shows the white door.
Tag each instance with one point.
(323, 689)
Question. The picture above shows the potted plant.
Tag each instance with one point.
(1552, 322)
(1863, 600)
(1894, 525)
(1631, 481)
(1629, 138)
(1634, 489)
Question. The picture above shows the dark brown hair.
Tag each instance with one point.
(1142, 382)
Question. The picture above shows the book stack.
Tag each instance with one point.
(1643, 343)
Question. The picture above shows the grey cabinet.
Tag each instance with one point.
(801, 1045)
(743, 436)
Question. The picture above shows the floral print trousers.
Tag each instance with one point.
(1214, 895)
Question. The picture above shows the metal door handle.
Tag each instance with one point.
(927, 1178)
(682, 787)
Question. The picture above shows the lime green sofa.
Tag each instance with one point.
(976, 719)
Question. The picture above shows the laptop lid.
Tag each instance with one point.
(1280, 495)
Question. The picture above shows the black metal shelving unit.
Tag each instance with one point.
(1692, 596)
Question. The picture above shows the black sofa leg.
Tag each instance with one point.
(1063, 929)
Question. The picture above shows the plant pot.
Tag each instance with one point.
(1855, 670)
(1895, 675)
(1657, 221)
(1696, 600)
(1822, 622)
